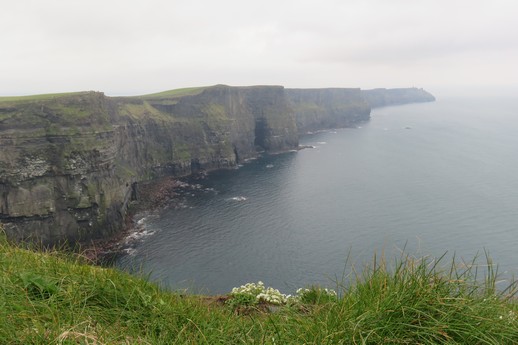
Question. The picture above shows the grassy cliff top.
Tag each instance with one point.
(175, 93)
(53, 298)
(191, 91)
(188, 91)
(42, 97)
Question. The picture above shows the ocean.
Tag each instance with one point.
(420, 179)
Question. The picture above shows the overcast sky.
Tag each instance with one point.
(135, 47)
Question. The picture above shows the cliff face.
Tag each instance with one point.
(384, 97)
(328, 108)
(70, 164)
(57, 167)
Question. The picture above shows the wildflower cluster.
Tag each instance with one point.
(249, 289)
(253, 293)
(258, 292)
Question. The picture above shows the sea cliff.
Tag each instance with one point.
(317, 109)
(70, 164)
(384, 97)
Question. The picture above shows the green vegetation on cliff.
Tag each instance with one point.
(55, 147)
(52, 298)
(45, 96)
(188, 91)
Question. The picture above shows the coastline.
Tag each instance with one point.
(154, 195)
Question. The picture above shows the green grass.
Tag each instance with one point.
(144, 110)
(41, 97)
(188, 91)
(54, 298)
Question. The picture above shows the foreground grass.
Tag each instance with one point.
(50, 298)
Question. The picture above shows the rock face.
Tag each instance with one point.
(384, 97)
(71, 163)
(328, 108)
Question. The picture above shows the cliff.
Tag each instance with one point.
(71, 163)
(328, 108)
(384, 97)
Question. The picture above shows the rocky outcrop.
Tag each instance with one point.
(70, 164)
(328, 108)
(383, 97)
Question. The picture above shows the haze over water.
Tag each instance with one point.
(434, 177)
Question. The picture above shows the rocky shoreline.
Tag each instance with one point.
(154, 195)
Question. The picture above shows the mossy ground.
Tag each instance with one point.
(54, 298)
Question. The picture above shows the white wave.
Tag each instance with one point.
(269, 166)
(139, 234)
(321, 143)
(238, 198)
(130, 251)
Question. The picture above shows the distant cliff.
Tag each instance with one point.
(383, 97)
(71, 163)
(317, 109)
(328, 108)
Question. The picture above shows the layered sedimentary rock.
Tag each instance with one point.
(70, 164)
(328, 108)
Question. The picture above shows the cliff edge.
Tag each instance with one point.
(70, 164)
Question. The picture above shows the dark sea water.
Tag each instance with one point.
(433, 178)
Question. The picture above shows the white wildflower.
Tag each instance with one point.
(261, 293)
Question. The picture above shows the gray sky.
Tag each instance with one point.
(136, 47)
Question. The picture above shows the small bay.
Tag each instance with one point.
(430, 178)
